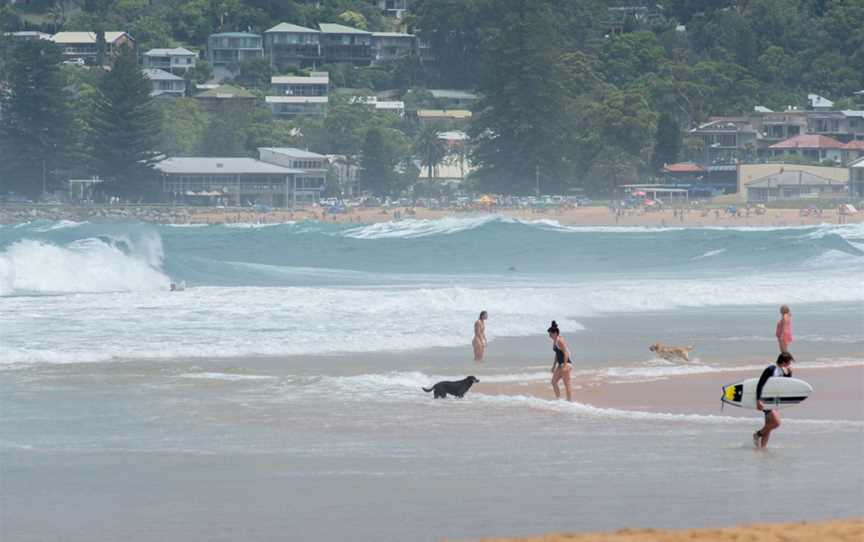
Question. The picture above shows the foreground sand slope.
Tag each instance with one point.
(826, 531)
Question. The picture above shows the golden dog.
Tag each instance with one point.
(669, 353)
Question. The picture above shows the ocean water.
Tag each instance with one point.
(277, 396)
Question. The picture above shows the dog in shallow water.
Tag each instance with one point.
(456, 389)
(670, 353)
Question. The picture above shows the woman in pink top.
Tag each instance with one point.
(784, 328)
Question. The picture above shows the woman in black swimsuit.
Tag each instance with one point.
(561, 365)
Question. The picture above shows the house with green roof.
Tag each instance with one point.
(289, 44)
(231, 48)
(343, 44)
(216, 100)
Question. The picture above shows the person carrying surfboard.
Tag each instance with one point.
(772, 417)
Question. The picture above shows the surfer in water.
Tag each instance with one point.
(562, 363)
(479, 342)
(784, 328)
(772, 417)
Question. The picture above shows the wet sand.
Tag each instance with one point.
(838, 393)
(851, 530)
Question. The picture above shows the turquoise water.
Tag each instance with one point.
(311, 288)
(277, 396)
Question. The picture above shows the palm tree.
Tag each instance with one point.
(430, 148)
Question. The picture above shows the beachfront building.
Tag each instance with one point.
(165, 83)
(311, 169)
(228, 49)
(344, 176)
(390, 47)
(343, 44)
(224, 97)
(749, 173)
(817, 148)
(296, 95)
(291, 45)
(176, 60)
(448, 116)
(727, 140)
(856, 180)
(234, 181)
(795, 185)
(82, 45)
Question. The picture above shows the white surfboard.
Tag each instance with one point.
(779, 392)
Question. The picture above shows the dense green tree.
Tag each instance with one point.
(726, 31)
(37, 133)
(629, 56)
(384, 149)
(254, 73)
(124, 127)
(151, 32)
(528, 117)
(453, 28)
(183, 125)
(271, 133)
(667, 142)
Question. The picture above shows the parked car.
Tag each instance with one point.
(74, 62)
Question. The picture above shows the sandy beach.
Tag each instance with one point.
(851, 530)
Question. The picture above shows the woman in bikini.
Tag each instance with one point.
(784, 329)
(479, 342)
(561, 365)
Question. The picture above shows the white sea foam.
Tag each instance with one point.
(230, 377)
(59, 225)
(710, 253)
(85, 265)
(590, 411)
(229, 322)
(421, 227)
(256, 225)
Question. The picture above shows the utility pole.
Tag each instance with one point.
(43, 179)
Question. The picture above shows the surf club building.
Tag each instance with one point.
(283, 177)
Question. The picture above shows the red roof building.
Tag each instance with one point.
(815, 148)
(683, 167)
(808, 141)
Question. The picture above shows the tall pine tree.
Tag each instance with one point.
(667, 142)
(526, 123)
(125, 127)
(36, 125)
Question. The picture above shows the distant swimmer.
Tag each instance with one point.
(178, 287)
(784, 328)
(561, 365)
(479, 342)
(772, 417)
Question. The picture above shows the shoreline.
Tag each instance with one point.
(840, 530)
(700, 393)
(582, 216)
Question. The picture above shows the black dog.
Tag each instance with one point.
(457, 389)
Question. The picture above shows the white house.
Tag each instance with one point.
(165, 83)
(177, 59)
(295, 95)
(311, 177)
